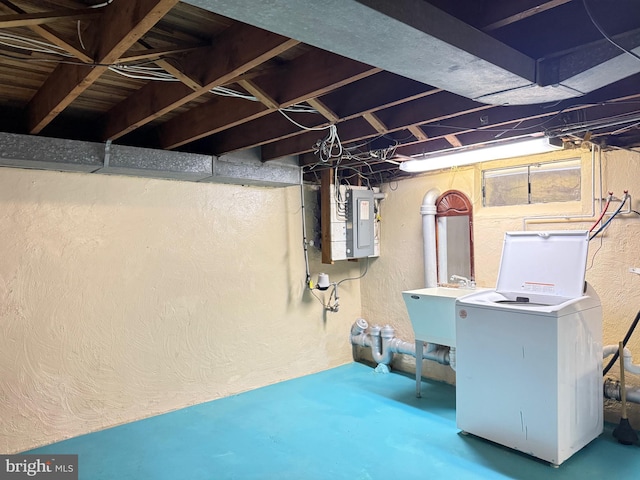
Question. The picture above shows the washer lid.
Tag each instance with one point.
(545, 267)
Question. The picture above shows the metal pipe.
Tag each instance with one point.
(612, 391)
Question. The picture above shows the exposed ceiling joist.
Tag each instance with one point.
(176, 62)
(28, 19)
(417, 132)
(439, 122)
(369, 94)
(323, 109)
(422, 110)
(402, 37)
(311, 75)
(219, 113)
(305, 77)
(174, 70)
(262, 96)
(154, 53)
(210, 67)
(121, 25)
(353, 130)
(47, 33)
(375, 122)
(453, 140)
(517, 11)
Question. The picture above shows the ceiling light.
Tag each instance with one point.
(471, 155)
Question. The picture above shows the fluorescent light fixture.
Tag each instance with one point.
(470, 155)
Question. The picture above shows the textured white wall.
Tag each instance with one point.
(401, 265)
(121, 298)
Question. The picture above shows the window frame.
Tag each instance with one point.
(573, 163)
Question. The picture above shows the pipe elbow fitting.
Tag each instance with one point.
(359, 326)
(443, 355)
(387, 332)
(611, 389)
(428, 206)
(628, 363)
(609, 350)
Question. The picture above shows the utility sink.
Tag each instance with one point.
(432, 313)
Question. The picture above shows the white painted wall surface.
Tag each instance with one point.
(122, 298)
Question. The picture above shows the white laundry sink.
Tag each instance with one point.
(432, 313)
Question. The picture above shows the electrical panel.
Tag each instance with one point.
(355, 229)
(360, 219)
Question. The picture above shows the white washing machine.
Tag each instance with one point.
(529, 353)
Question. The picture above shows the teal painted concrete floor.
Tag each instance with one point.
(345, 423)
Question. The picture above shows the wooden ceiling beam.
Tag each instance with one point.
(391, 90)
(235, 52)
(50, 35)
(493, 120)
(41, 18)
(121, 24)
(435, 107)
(304, 78)
(422, 110)
(513, 12)
(500, 119)
(259, 131)
(417, 132)
(124, 23)
(355, 129)
(311, 75)
(262, 96)
(323, 110)
(375, 122)
(519, 128)
(214, 116)
(368, 94)
(390, 87)
(453, 140)
(154, 53)
(176, 71)
(505, 122)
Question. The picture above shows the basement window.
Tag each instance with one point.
(538, 183)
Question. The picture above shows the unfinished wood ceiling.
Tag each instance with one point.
(172, 75)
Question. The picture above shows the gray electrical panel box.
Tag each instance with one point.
(360, 221)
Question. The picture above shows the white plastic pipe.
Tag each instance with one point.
(629, 366)
(428, 212)
(384, 344)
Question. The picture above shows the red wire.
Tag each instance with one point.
(604, 210)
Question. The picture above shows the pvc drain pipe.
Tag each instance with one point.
(629, 366)
(384, 344)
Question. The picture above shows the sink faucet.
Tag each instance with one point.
(462, 281)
